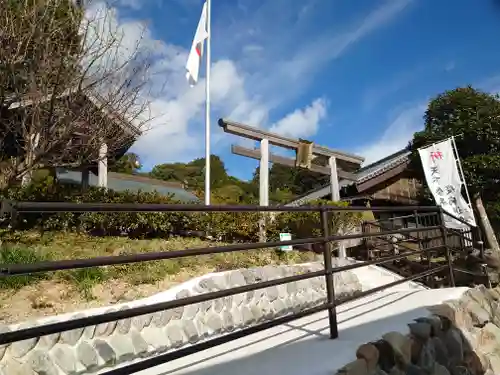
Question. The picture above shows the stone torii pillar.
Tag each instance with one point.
(348, 162)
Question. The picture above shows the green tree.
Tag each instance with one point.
(128, 163)
(192, 174)
(473, 117)
(295, 181)
(218, 172)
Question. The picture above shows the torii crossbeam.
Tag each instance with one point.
(338, 163)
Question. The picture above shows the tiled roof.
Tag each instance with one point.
(376, 169)
(363, 174)
(132, 184)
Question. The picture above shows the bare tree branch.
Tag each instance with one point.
(68, 83)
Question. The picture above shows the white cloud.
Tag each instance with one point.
(450, 66)
(396, 136)
(244, 87)
(293, 53)
(304, 122)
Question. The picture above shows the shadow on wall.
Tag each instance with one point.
(435, 346)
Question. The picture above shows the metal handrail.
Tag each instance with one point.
(326, 238)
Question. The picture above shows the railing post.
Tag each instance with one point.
(330, 288)
(415, 215)
(446, 248)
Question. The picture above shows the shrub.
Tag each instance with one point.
(308, 224)
(228, 227)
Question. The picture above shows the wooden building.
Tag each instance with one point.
(100, 135)
(386, 182)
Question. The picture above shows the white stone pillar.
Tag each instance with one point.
(103, 165)
(264, 173)
(334, 179)
(263, 186)
(335, 196)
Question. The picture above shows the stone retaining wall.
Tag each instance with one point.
(83, 351)
(459, 337)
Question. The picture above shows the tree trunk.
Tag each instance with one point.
(485, 225)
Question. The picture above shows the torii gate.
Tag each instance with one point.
(338, 164)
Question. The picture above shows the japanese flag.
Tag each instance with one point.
(196, 53)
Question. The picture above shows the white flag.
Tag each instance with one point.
(196, 53)
(445, 184)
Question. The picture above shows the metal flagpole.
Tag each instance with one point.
(207, 108)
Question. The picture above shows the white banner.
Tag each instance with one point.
(445, 184)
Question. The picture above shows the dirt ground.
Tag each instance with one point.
(24, 298)
(52, 297)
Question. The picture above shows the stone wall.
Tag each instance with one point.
(83, 351)
(459, 337)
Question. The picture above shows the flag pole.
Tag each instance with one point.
(207, 107)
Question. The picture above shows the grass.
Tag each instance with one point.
(32, 247)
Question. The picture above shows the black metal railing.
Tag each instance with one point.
(326, 239)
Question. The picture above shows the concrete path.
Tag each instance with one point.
(303, 346)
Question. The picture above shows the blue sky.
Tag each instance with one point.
(351, 75)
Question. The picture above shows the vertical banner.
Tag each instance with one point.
(444, 182)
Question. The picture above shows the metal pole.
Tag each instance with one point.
(447, 249)
(415, 215)
(207, 108)
(330, 288)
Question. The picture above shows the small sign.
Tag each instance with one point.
(286, 237)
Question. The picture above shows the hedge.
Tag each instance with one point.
(229, 227)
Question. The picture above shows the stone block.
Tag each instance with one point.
(227, 321)
(357, 367)
(190, 311)
(237, 317)
(123, 347)
(160, 318)
(71, 337)
(258, 314)
(489, 338)
(214, 323)
(175, 336)
(41, 363)
(105, 329)
(124, 325)
(477, 312)
(156, 338)
(190, 331)
(105, 352)
(401, 345)
(88, 332)
(13, 367)
(420, 330)
(64, 356)
(19, 349)
(279, 307)
(249, 276)
(370, 354)
(140, 345)
(87, 355)
(235, 278)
